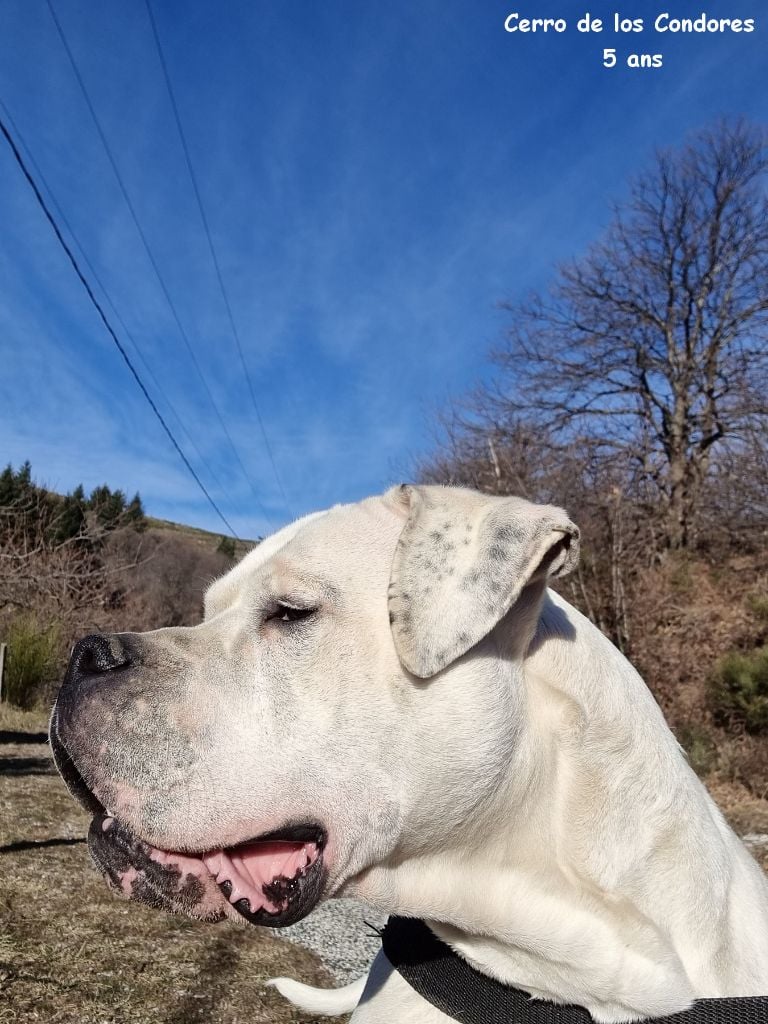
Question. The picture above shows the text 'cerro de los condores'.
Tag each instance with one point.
(664, 24)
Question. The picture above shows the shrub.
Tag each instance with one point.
(31, 660)
(738, 690)
(758, 605)
(227, 547)
(744, 760)
(700, 748)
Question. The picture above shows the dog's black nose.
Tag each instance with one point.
(96, 654)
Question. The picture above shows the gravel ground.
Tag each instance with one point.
(337, 932)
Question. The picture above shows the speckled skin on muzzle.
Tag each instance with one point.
(140, 732)
(123, 714)
(130, 870)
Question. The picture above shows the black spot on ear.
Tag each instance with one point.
(471, 580)
(391, 618)
(463, 638)
(496, 553)
(508, 534)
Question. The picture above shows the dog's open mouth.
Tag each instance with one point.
(272, 880)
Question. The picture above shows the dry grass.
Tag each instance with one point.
(71, 952)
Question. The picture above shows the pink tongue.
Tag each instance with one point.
(250, 867)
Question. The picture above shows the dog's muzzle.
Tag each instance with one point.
(103, 734)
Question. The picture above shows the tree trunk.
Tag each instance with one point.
(678, 519)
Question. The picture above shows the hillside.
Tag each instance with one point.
(83, 563)
(195, 535)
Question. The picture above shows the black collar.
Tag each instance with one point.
(448, 982)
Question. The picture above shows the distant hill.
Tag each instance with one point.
(198, 536)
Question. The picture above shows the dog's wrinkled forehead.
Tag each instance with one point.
(336, 547)
(224, 591)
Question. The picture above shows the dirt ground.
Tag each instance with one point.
(71, 952)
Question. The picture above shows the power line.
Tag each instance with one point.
(100, 311)
(214, 257)
(150, 254)
(63, 218)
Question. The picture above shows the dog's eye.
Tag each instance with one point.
(288, 613)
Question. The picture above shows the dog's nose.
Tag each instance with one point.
(97, 654)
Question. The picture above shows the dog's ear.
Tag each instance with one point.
(461, 563)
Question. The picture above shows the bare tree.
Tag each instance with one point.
(654, 346)
(46, 576)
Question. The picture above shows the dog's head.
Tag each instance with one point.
(303, 732)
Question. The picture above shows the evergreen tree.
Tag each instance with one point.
(7, 486)
(98, 502)
(134, 513)
(115, 507)
(24, 477)
(69, 519)
(227, 547)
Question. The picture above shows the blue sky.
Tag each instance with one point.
(377, 178)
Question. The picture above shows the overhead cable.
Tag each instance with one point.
(214, 257)
(100, 311)
(150, 255)
(95, 276)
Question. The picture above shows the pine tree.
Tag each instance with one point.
(7, 486)
(227, 547)
(134, 513)
(69, 518)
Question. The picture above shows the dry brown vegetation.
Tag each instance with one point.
(689, 613)
(116, 581)
(70, 952)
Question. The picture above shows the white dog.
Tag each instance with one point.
(385, 701)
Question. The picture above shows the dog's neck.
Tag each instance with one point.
(616, 884)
